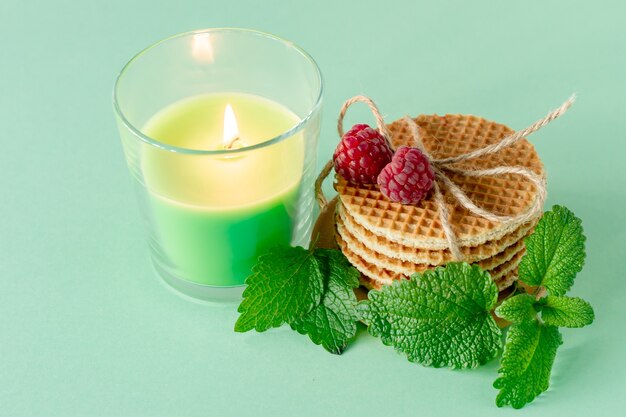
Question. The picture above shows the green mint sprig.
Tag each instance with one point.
(332, 323)
(526, 362)
(555, 253)
(310, 290)
(439, 318)
(285, 284)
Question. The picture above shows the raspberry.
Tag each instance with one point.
(361, 154)
(408, 177)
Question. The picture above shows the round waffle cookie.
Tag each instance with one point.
(418, 226)
(398, 251)
(503, 273)
(504, 284)
(398, 266)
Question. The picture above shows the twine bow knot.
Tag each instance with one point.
(443, 165)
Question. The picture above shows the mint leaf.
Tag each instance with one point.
(438, 318)
(285, 284)
(518, 308)
(555, 252)
(333, 322)
(526, 363)
(566, 311)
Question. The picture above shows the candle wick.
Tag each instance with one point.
(232, 142)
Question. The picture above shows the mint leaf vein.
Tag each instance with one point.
(285, 284)
(526, 364)
(437, 318)
(555, 252)
(566, 311)
(333, 322)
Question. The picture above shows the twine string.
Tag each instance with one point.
(515, 136)
(380, 121)
(445, 165)
(380, 124)
(319, 193)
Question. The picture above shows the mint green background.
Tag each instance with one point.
(86, 328)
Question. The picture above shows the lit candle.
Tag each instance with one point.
(231, 131)
(214, 214)
(219, 129)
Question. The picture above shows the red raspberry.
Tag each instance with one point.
(408, 177)
(361, 154)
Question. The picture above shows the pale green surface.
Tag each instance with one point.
(87, 329)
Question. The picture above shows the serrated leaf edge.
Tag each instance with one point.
(364, 306)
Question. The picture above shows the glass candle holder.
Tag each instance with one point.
(219, 129)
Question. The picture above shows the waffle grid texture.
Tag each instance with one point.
(419, 225)
(398, 266)
(503, 274)
(389, 241)
(394, 250)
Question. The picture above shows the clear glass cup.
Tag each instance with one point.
(213, 200)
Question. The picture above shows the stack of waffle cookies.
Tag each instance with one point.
(389, 241)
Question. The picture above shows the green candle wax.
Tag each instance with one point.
(214, 215)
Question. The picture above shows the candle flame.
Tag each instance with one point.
(231, 130)
(201, 47)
